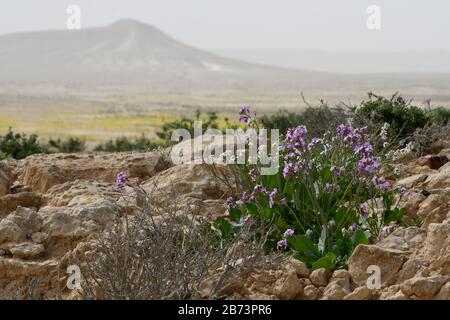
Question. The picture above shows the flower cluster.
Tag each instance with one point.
(368, 164)
(121, 181)
(381, 184)
(282, 244)
(246, 115)
(324, 190)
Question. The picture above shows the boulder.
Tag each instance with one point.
(361, 293)
(41, 172)
(82, 216)
(422, 287)
(289, 288)
(389, 261)
(320, 277)
(190, 185)
(403, 239)
(10, 202)
(299, 267)
(430, 203)
(25, 250)
(334, 291)
(439, 180)
(411, 202)
(60, 195)
(310, 292)
(412, 181)
(433, 161)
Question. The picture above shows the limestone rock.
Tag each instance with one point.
(430, 203)
(445, 168)
(10, 202)
(80, 218)
(289, 288)
(433, 161)
(403, 239)
(444, 293)
(25, 249)
(361, 293)
(5, 179)
(388, 260)
(422, 287)
(192, 185)
(41, 172)
(411, 202)
(439, 180)
(334, 291)
(412, 181)
(60, 195)
(320, 277)
(39, 237)
(299, 267)
(310, 292)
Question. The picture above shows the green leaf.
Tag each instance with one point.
(393, 215)
(252, 209)
(359, 237)
(235, 214)
(304, 245)
(224, 226)
(327, 262)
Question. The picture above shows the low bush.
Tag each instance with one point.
(162, 253)
(124, 144)
(19, 145)
(209, 122)
(439, 116)
(317, 119)
(327, 197)
(71, 145)
(403, 118)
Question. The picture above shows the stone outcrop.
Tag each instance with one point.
(51, 206)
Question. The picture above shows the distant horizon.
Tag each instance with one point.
(418, 61)
(321, 25)
(446, 50)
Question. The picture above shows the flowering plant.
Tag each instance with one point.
(327, 197)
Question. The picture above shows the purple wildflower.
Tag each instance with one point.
(365, 150)
(245, 114)
(364, 209)
(296, 139)
(288, 233)
(272, 196)
(337, 171)
(282, 244)
(385, 231)
(330, 187)
(381, 184)
(368, 165)
(121, 181)
(230, 202)
(244, 118)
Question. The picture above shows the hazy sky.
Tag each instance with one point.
(255, 24)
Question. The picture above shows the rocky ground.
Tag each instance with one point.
(51, 205)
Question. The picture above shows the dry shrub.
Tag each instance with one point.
(162, 253)
(430, 139)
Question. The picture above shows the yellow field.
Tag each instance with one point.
(101, 113)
